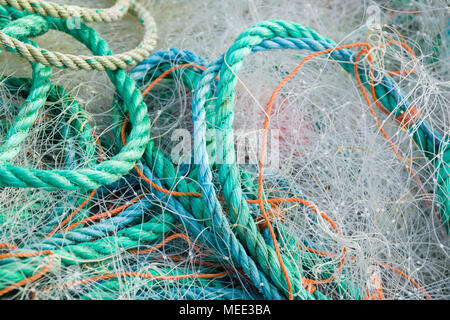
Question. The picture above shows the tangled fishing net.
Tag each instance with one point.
(242, 150)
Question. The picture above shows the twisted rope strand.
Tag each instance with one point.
(110, 170)
(98, 62)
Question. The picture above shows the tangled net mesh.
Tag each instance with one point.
(323, 146)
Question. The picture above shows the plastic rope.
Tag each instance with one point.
(55, 10)
(100, 61)
(110, 170)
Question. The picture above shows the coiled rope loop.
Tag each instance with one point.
(74, 62)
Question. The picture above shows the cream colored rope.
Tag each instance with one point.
(74, 62)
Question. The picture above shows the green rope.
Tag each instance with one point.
(110, 170)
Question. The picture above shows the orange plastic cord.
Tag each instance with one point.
(26, 254)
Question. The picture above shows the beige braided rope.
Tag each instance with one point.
(55, 10)
(81, 62)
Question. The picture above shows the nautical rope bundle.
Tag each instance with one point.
(46, 8)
